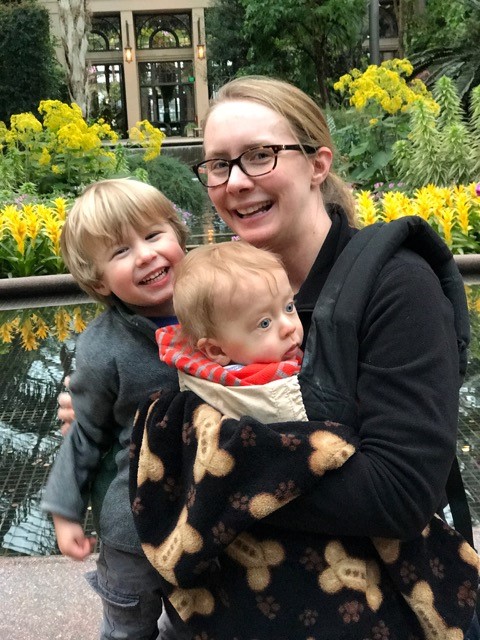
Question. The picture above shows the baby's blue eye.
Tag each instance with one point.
(290, 307)
(265, 323)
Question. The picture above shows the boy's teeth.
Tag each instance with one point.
(154, 276)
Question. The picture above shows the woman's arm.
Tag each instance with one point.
(407, 398)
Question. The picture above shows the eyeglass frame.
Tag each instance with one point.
(276, 148)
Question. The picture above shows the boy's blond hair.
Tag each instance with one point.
(100, 216)
(208, 278)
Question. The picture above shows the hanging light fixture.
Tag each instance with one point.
(128, 49)
(201, 48)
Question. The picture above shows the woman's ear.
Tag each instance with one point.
(322, 162)
(210, 348)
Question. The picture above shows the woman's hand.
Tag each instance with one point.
(65, 412)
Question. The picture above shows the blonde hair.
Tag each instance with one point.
(207, 279)
(305, 118)
(100, 216)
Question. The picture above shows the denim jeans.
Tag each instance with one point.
(132, 604)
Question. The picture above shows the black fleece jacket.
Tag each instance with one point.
(407, 395)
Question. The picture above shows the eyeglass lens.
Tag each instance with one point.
(254, 162)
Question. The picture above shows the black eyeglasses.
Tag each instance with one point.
(254, 163)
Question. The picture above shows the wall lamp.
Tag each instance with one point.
(128, 49)
(201, 48)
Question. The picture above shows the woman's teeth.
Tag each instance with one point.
(155, 276)
(250, 211)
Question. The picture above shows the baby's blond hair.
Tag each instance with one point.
(208, 278)
(100, 216)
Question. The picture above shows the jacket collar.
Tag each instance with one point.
(337, 238)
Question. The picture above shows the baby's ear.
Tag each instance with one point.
(213, 351)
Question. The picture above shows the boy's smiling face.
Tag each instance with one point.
(138, 270)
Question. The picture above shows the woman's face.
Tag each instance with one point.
(273, 209)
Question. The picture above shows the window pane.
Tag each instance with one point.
(106, 95)
(105, 34)
(167, 95)
(163, 31)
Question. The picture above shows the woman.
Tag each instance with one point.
(268, 171)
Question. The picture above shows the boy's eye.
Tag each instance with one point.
(153, 234)
(265, 323)
(118, 251)
(290, 307)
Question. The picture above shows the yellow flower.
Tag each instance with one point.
(6, 331)
(61, 208)
(367, 211)
(41, 327)
(373, 121)
(52, 229)
(79, 323)
(62, 322)
(45, 157)
(27, 334)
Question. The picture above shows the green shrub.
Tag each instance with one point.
(29, 71)
(442, 147)
(176, 180)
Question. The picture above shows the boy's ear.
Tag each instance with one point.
(101, 288)
(321, 165)
(213, 351)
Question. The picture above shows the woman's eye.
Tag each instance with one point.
(259, 155)
(290, 307)
(265, 323)
(218, 165)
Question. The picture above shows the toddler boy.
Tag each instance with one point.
(120, 241)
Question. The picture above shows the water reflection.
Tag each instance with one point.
(29, 436)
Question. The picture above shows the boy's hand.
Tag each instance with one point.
(65, 411)
(71, 539)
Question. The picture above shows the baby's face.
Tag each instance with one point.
(262, 324)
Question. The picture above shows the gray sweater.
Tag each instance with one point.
(117, 368)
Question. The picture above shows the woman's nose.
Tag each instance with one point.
(238, 180)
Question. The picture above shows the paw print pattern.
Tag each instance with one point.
(308, 617)
(312, 561)
(380, 631)
(290, 441)
(248, 437)
(351, 611)
(467, 595)
(268, 606)
(187, 431)
(437, 568)
(172, 489)
(222, 535)
(239, 502)
(408, 572)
